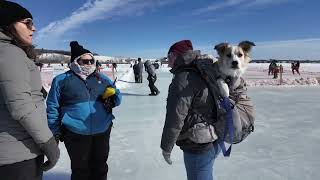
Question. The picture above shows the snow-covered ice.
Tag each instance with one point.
(284, 145)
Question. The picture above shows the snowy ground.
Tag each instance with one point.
(283, 146)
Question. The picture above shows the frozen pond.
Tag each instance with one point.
(284, 146)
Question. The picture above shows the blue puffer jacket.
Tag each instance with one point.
(76, 104)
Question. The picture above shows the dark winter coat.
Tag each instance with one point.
(23, 120)
(140, 67)
(190, 102)
(136, 69)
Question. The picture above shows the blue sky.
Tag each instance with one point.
(146, 28)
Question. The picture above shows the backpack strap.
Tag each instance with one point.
(226, 104)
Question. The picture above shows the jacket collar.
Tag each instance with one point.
(4, 38)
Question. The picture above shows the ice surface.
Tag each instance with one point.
(284, 146)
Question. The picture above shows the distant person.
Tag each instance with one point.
(292, 67)
(295, 67)
(80, 114)
(40, 65)
(98, 66)
(140, 67)
(24, 134)
(272, 67)
(276, 71)
(114, 66)
(152, 78)
(136, 71)
(49, 65)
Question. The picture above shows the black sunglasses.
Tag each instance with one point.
(86, 61)
(28, 22)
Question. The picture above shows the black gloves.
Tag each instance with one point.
(58, 137)
(51, 151)
(110, 103)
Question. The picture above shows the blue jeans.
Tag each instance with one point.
(200, 166)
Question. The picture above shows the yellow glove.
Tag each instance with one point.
(109, 91)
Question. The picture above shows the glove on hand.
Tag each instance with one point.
(51, 151)
(166, 156)
(58, 138)
(110, 103)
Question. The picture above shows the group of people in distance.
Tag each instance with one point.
(78, 109)
(275, 69)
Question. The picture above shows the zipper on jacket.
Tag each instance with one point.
(89, 96)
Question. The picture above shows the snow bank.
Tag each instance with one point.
(257, 76)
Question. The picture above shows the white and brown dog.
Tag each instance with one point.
(232, 62)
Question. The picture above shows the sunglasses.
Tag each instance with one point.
(28, 22)
(86, 61)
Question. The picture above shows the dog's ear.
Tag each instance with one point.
(246, 45)
(221, 48)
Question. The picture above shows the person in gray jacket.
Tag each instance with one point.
(24, 133)
(152, 78)
(190, 102)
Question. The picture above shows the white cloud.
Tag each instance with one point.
(287, 49)
(238, 4)
(94, 10)
(259, 3)
(216, 6)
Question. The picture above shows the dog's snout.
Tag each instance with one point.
(234, 63)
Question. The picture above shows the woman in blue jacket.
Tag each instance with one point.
(79, 116)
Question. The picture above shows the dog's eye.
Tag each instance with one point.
(229, 55)
(240, 55)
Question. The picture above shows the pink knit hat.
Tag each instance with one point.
(181, 47)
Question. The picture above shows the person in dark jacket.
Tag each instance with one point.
(98, 66)
(189, 102)
(25, 137)
(140, 67)
(136, 72)
(79, 114)
(152, 78)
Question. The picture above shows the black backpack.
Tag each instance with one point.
(156, 65)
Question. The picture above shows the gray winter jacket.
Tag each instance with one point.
(150, 68)
(23, 120)
(189, 102)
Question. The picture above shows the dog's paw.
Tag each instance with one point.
(223, 87)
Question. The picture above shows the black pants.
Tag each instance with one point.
(136, 78)
(88, 155)
(25, 170)
(140, 78)
(152, 80)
